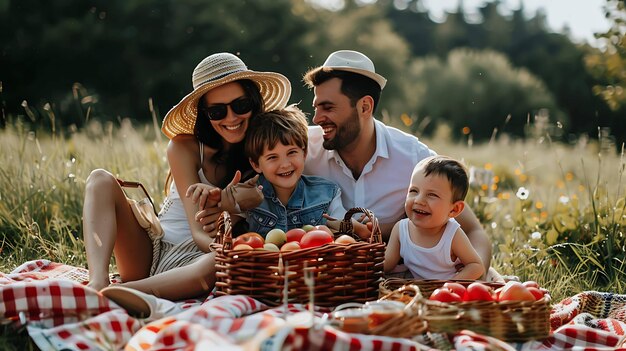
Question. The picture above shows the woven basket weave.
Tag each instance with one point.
(340, 273)
(509, 321)
(410, 323)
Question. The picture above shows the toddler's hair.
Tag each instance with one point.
(289, 126)
(452, 169)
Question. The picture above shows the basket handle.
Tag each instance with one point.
(224, 237)
(405, 290)
(345, 226)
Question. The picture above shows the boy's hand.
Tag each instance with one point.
(238, 197)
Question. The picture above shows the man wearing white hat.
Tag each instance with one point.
(371, 162)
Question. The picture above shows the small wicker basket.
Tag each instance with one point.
(337, 273)
(411, 322)
(427, 286)
(509, 321)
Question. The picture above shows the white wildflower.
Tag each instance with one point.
(522, 193)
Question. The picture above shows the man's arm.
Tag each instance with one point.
(476, 234)
(385, 229)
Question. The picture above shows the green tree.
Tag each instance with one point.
(475, 91)
(124, 52)
(609, 63)
(366, 29)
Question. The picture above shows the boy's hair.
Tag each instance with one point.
(452, 169)
(353, 85)
(289, 126)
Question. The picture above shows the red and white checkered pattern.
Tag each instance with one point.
(62, 313)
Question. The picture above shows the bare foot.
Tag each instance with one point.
(98, 285)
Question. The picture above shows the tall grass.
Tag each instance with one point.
(42, 182)
(556, 213)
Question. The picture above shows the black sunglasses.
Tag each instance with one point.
(239, 106)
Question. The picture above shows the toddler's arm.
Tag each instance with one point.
(463, 249)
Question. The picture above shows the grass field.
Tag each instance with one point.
(556, 213)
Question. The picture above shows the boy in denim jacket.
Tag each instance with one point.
(276, 148)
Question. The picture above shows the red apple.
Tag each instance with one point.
(324, 228)
(538, 294)
(515, 291)
(295, 234)
(478, 292)
(243, 247)
(315, 238)
(456, 288)
(531, 283)
(444, 295)
(255, 240)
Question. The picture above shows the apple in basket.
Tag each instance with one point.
(537, 293)
(255, 240)
(295, 234)
(345, 240)
(315, 238)
(290, 246)
(456, 288)
(271, 247)
(478, 292)
(444, 295)
(276, 236)
(308, 227)
(515, 291)
(324, 228)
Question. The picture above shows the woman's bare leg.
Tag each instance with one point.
(181, 283)
(109, 225)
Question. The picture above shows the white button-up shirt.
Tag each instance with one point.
(383, 184)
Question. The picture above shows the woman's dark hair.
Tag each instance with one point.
(235, 158)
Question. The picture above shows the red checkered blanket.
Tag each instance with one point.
(61, 313)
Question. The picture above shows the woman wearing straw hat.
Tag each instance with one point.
(206, 131)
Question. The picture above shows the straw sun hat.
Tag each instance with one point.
(216, 70)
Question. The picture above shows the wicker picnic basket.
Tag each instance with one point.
(427, 286)
(336, 273)
(508, 321)
(410, 322)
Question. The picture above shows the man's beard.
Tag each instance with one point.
(345, 134)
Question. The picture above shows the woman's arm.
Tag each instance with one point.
(184, 160)
(461, 248)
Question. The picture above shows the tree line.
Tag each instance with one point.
(65, 62)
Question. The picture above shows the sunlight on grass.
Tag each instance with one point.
(556, 213)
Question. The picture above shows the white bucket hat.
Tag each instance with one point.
(354, 61)
(216, 70)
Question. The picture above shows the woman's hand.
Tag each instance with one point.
(204, 195)
(208, 218)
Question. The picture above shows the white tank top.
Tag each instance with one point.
(172, 216)
(432, 262)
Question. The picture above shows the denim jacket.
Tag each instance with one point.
(309, 201)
